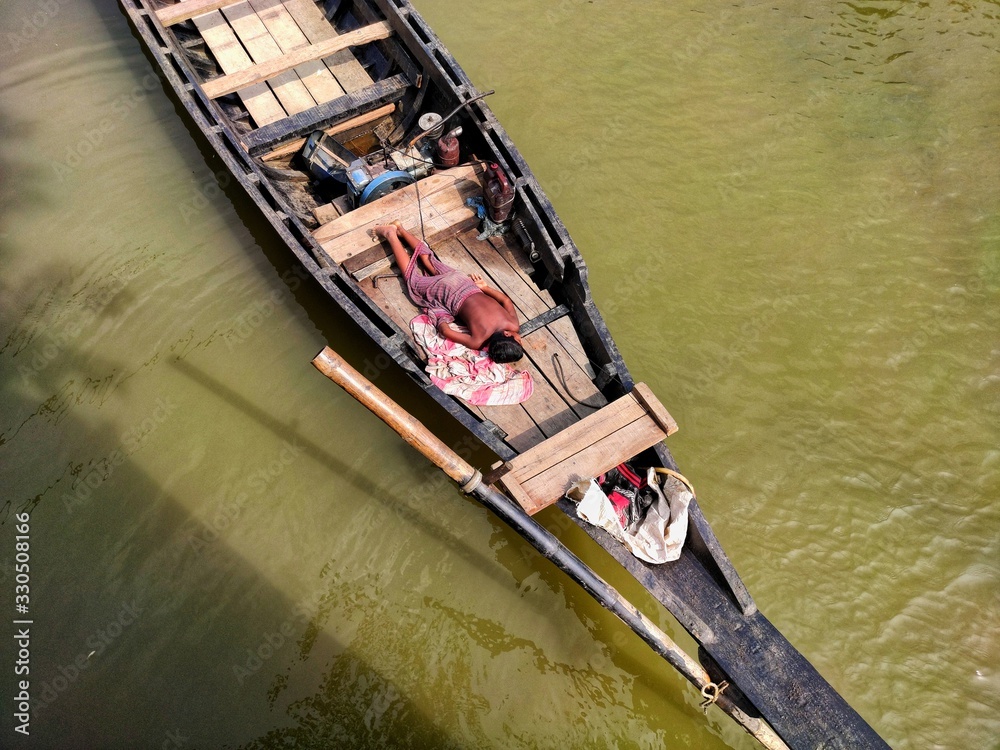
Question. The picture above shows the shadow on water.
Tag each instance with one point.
(134, 637)
(364, 483)
(114, 661)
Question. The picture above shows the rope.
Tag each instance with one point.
(562, 381)
(474, 481)
(711, 693)
(678, 476)
(420, 211)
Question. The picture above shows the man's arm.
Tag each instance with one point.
(496, 294)
(465, 339)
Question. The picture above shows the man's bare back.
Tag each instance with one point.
(489, 316)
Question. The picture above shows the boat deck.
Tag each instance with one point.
(245, 34)
(285, 68)
(564, 389)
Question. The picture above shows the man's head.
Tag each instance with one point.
(504, 346)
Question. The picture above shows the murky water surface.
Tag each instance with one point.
(790, 212)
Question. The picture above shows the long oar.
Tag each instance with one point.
(469, 479)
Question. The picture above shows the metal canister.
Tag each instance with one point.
(448, 148)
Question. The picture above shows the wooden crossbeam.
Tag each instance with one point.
(227, 84)
(322, 116)
(189, 9)
(221, 39)
(360, 121)
(344, 66)
(280, 24)
(539, 477)
(260, 44)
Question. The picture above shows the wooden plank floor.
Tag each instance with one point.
(221, 39)
(248, 33)
(564, 391)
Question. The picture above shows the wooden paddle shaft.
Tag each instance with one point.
(409, 428)
(413, 432)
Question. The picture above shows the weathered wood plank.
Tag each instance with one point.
(543, 346)
(521, 292)
(349, 73)
(374, 213)
(229, 83)
(522, 432)
(315, 76)
(546, 406)
(543, 320)
(572, 383)
(590, 447)
(355, 122)
(183, 11)
(604, 454)
(516, 491)
(610, 419)
(390, 295)
(326, 212)
(442, 202)
(259, 100)
(324, 115)
(647, 398)
(439, 226)
(563, 330)
(257, 40)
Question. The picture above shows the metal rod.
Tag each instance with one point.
(468, 477)
(444, 119)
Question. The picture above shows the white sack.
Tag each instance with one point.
(659, 537)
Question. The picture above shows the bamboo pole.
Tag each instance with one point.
(469, 478)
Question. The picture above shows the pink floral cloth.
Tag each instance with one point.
(471, 375)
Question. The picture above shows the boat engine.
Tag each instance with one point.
(335, 168)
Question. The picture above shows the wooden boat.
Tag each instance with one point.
(259, 78)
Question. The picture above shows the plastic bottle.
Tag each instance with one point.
(498, 193)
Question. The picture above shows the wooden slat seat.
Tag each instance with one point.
(349, 73)
(322, 116)
(189, 9)
(540, 476)
(227, 84)
(260, 44)
(442, 201)
(287, 36)
(221, 39)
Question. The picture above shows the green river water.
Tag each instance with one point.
(791, 215)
